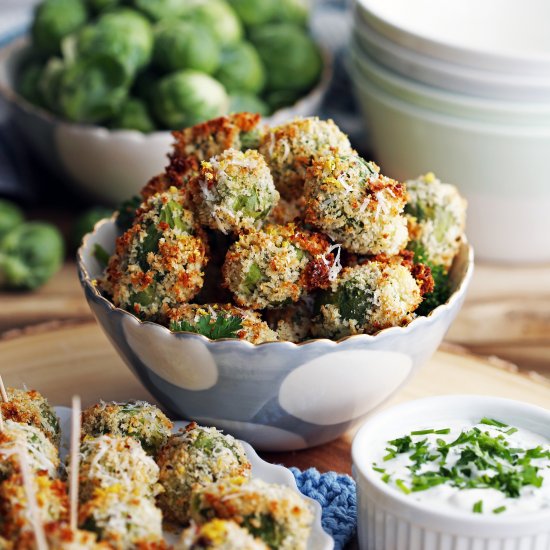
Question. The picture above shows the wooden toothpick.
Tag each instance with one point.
(36, 520)
(74, 461)
(3, 391)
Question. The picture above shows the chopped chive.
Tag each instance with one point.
(499, 510)
(493, 422)
(386, 478)
(401, 484)
(423, 432)
(376, 469)
(443, 431)
(478, 507)
(511, 431)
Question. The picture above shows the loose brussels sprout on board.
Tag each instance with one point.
(10, 216)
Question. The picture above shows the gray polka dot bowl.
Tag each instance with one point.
(277, 395)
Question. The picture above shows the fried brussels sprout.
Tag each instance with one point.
(241, 69)
(162, 9)
(60, 536)
(287, 211)
(219, 534)
(251, 103)
(186, 45)
(29, 255)
(290, 148)
(41, 452)
(293, 322)
(190, 460)
(185, 98)
(273, 513)
(111, 461)
(253, 12)
(367, 298)
(291, 58)
(436, 216)
(275, 266)
(234, 191)
(217, 321)
(85, 223)
(133, 115)
(220, 18)
(51, 499)
(10, 216)
(122, 520)
(158, 263)
(137, 419)
(348, 199)
(28, 83)
(31, 407)
(55, 19)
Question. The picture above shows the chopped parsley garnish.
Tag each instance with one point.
(499, 510)
(478, 507)
(223, 326)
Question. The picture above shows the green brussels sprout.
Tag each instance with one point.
(29, 255)
(50, 82)
(220, 18)
(186, 98)
(28, 82)
(185, 45)
(249, 103)
(10, 216)
(134, 115)
(162, 9)
(124, 35)
(294, 11)
(98, 6)
(291, 58)
(92, 90)
(85, 223)
(241, 69)
(55, 19)
(253, 12)
(281, 98)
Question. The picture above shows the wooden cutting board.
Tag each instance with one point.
(63, 359)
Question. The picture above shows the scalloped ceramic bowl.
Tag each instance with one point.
(277, 395)
(107, 165)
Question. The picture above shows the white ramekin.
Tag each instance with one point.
(389, 520)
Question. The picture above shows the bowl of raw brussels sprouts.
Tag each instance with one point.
(98, 85)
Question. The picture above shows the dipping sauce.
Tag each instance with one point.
(484, 468)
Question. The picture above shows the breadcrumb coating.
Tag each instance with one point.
(234, 191)
(290, 148)
(287, 211)
(60, 536)
(349, 200)
(293, 322)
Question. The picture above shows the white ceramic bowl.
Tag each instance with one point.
(276, 395)
(495, 35)
(450, 76)
(107, 165)
(501, 169)
(388, 520)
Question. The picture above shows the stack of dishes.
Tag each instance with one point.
(464, 89)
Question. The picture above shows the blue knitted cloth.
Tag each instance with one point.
(336, 495)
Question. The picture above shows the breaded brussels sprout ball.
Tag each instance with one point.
(274, 513)
(190, 460)
(291, 147)
(234, 191)
(52, 503)
(436, 216)
(60, 536)
(293, 322)
(366, 298)
(158, 263)
(219, 534)
(275, 266)
(41, 453)
(348, 199)
(120, 462)
(123, 520)
(137, 419)
(31, 407)
(222, 321)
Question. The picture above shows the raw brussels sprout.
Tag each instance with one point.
(85, 223)
(92, 90)
(134, 115)
(101, 5)
(220, 18)
(185, 45)
(185, 98)
(253, 12)
(281, 98)
(294, 11)
(55, 19)
(162, 9)
(124, 35)
(28, 82)
(291, 58)
(241, 69)
(50, 82)
(249, 103)
(29, 255)
(10, 216)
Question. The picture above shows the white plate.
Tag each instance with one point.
(271, 473)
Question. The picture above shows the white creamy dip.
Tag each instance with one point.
(497, 469)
